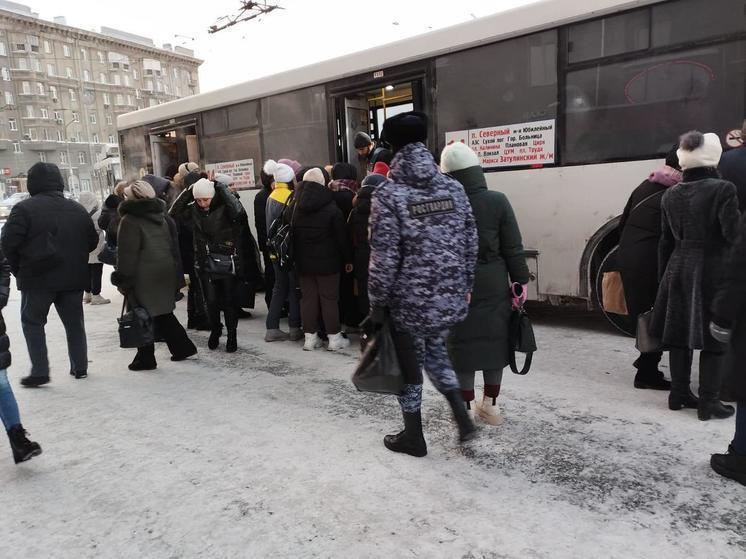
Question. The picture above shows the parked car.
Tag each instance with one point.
(7, 204)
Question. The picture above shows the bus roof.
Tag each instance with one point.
(542, 14)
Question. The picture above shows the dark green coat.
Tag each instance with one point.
(147, 262)
(481, 341)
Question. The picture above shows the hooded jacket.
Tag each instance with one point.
(108, 220)
(5, 358)
(148, 266)
(320, 245)
(423, 241)
(47, 238)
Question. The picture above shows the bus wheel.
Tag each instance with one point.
(625, 324)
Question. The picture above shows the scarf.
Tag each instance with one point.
(667, 176)
(344, 184)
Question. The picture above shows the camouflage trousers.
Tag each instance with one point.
(432, 356)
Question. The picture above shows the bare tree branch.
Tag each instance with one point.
(249, 10)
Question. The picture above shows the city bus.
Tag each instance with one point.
(570, 104)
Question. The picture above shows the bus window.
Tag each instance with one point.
(637, 109)
(509, 82)
(692, 20)
(608, 36)
(294, 125)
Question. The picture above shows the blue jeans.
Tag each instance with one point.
(283, 290)
(8, 406)
(739, 440)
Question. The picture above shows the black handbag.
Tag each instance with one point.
(219, 264)
(108, 254)
(521, 339)
(646, 342)
(379, 370)
(135, 327)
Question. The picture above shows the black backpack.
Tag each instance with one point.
(280, 239)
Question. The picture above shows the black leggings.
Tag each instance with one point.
(220, 295)
(95, 272)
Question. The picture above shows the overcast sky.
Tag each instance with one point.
(306, 31)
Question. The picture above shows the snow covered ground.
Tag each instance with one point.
(271, 452)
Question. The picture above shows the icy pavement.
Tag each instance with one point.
(270, 452)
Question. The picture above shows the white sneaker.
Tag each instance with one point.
(337, 342)
(98, 300)
(312, 342)
(489, 411)
(86, 297)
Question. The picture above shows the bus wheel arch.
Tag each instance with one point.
(600, 257)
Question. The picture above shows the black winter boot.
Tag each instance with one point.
(32, 381)
(652, 381)
(23, 449)
(144, 360)
(677, 400)
(214, 340)
(709, 409)
(231, 345)
(730, 465)
(410, 441)
(466, 428)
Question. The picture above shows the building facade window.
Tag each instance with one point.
(85, 184)
(86, 76)
(47, 47)
(57, 116)
(22, 64)
(107, 99)
(30, 111)
(42, 157)
(102, 77)
(66, 50)
(135, 74)
(33, 42)
(44, 112)
(94, 139)
(53, 92)
(84, 54)
(60, 137)
(5, 73)
(50, 69)
(111, 139)
(40, 88)
(129, 101)
(92, 118)
(17, 147)
(101, 58)
(81, 157)
(9, 98)
(76, 117)
(73, 97)
(126, 80)
(45, 134)
(109, 120)
(3, 49)
(117, 79)
(63, 158)
(69, 72)
(26, 88)
(36, 64)
(12, 124)
(120, 99)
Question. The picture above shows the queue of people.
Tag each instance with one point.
(420, 244)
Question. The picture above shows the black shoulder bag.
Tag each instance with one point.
(280, 239)
(135, 327)
(521, 339)
(219, 264)
(379, 370)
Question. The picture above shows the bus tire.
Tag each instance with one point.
(623, 323)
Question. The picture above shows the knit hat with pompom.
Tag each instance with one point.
(281, 172)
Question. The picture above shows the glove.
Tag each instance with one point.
(721, 333)
(372, 324)
(520, 294)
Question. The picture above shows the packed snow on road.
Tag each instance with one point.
(272, 452)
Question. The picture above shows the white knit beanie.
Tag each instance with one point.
(457, 156)
(222, 178)
(281, 172)
(699, 150)
(186, 168)
(315, 175)
(203, 188)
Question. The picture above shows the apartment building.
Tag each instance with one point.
(61, 89)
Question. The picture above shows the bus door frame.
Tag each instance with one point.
(420, 74)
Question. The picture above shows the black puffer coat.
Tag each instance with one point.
(732, 168)
(223, 229)
(4, 295)
(320, 245)
(729, 310)
(699, 227)
(47, 238)
(637, 256)
(481, 341)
